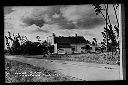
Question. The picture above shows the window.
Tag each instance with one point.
(73, 48)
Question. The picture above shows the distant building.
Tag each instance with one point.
(68, 45)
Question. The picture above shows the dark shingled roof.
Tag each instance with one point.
(63, 45)
(70, 40)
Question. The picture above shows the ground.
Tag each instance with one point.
(80, 70)
(16, 71)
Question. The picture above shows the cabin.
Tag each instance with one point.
(68, 45)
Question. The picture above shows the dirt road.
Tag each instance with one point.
(81, 70)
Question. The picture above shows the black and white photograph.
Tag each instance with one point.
(58, 43)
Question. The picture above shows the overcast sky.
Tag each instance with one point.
(63, 20)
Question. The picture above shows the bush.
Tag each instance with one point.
(102, 58)
(30, 48)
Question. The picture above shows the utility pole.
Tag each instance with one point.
(76, 41)
(106, 28)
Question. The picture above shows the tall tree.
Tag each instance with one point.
(109, 35)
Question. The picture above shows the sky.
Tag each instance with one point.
(63, 20)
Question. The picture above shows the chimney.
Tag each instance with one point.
(75, 35)
(47, 39)
(53, 34)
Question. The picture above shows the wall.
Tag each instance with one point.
(64, 50)
(55, 48)
(93, 48)
(50, 39)
(68, 50)
(78, 47)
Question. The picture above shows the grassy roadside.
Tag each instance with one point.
(21, 72)
(103, 58)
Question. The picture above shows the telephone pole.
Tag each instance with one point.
(106, 28)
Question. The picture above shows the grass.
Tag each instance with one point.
(102, 58)
(21, 72)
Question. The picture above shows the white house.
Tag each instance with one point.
(67, 45)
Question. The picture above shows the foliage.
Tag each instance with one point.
(102, 58)
(111, 32)
(94, 42)
(21, 45)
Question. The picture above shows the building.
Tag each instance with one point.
(68, 45)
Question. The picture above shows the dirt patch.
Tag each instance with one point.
(21, 72)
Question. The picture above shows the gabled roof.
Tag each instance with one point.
(70, 40)
(63, 45)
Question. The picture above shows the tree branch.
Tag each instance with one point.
(103, 15)
(109, 20)
(116, 15)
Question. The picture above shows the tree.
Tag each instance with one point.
(110, 37)
(95, 41)
(14, 48)
(26, 46)
(38, 38)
